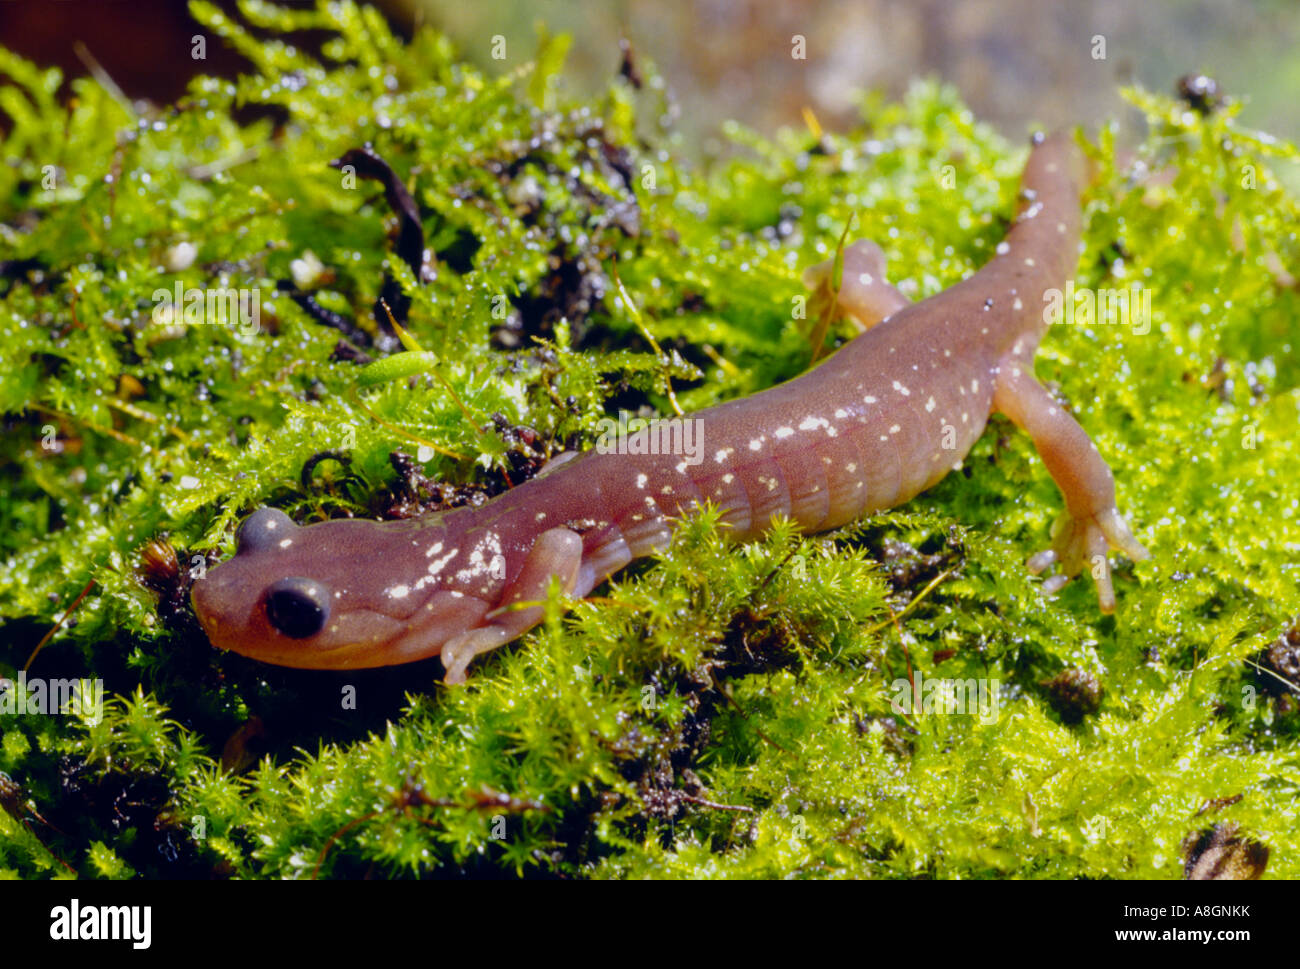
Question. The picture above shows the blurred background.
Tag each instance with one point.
(1015, 62)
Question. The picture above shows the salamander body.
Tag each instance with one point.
(883, 419)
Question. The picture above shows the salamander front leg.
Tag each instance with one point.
(1090, 524)
(557, 552)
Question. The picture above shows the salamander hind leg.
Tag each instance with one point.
(1079, 542)
(865, 296)
(557, 552)
(1090, 524)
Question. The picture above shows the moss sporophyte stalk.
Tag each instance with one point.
(717, 710)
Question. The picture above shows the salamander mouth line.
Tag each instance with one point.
(400, 627)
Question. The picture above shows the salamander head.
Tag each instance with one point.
(334, 595)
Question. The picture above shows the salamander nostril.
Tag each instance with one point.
(297, 607)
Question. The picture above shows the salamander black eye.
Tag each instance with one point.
(263, 529)
(298, 607)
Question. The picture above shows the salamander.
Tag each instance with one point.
(877, 422)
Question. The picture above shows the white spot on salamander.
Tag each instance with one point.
(436, 567)
(901, 389)
(483, 559)
(929, 405)
(641, 479)
(398, 592)
(781, 432)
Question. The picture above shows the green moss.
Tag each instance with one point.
(719, 711)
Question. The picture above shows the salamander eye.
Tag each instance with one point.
(263, 529)
(297, 607)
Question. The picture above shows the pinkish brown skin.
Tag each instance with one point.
(880, 421)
